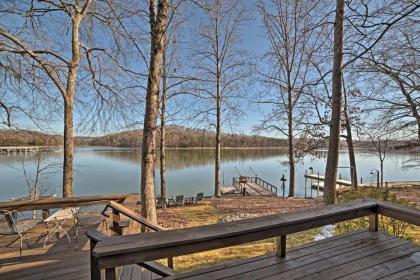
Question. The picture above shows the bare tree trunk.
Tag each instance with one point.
(218, 142)
(163, 133)
(334, 139)
(68, 150)
(68, 108)
(218, 115)
(158, 26)
(352, 158)
(382, 173)
(350, 146)
(291, 151)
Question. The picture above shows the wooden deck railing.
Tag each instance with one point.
(55, 203)
(139, 248)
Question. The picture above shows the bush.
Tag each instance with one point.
(389, 225)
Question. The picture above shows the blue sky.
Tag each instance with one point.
(253, 42)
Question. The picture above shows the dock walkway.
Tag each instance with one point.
(253, 186)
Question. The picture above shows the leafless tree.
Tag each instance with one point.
(220, 66)
(368, 24)
(158, 19)
(337, 76)
(176, 79)
(45, 59)
(394, 70)
(48, 63)
(380, 135)
(294, 31)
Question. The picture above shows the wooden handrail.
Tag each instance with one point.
(132, 215)
(116, 251)
(52, 203)
(139, 248)
(153, 266)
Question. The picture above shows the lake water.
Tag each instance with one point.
(103, 170)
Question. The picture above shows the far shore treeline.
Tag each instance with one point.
(177, 137)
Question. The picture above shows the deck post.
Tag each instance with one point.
(373, 222)
(110, 274)
(171, 262)
(116, 223)
(95, 272)
(281, 246)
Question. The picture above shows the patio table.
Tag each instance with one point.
(57, 220)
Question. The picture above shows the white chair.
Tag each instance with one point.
(16, 225)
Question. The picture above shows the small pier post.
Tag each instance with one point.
(317, 190)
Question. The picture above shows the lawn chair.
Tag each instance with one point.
(161, 202)
(171, 202)
(179, 200)
(15, 224)
(199, 197)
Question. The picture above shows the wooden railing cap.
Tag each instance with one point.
(249, 229)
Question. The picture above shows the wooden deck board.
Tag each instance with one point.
(361, 255)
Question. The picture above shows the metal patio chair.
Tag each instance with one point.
(81, 221)
(199, 197)
(15, 224)
(161, 202)
(179, 200)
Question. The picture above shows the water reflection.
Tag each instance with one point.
(100, 170)
(184, 158)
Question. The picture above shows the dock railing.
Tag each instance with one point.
(257, 180)
(113, 252)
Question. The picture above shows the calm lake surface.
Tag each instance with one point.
(104, 170)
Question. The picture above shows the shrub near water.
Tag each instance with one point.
(389, 225)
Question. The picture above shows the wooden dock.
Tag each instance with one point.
(22, 149)
(339, 182)
(249, 186)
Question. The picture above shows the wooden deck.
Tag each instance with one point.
(365, 254)
(357, 255)
(369, 254)
(59, 260)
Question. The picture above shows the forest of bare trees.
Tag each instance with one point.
(310, 73)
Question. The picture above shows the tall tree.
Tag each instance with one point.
(335, 123)
(294, 32)
(44, 59)
(368, 25)
(220, 66)
(158, 19)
